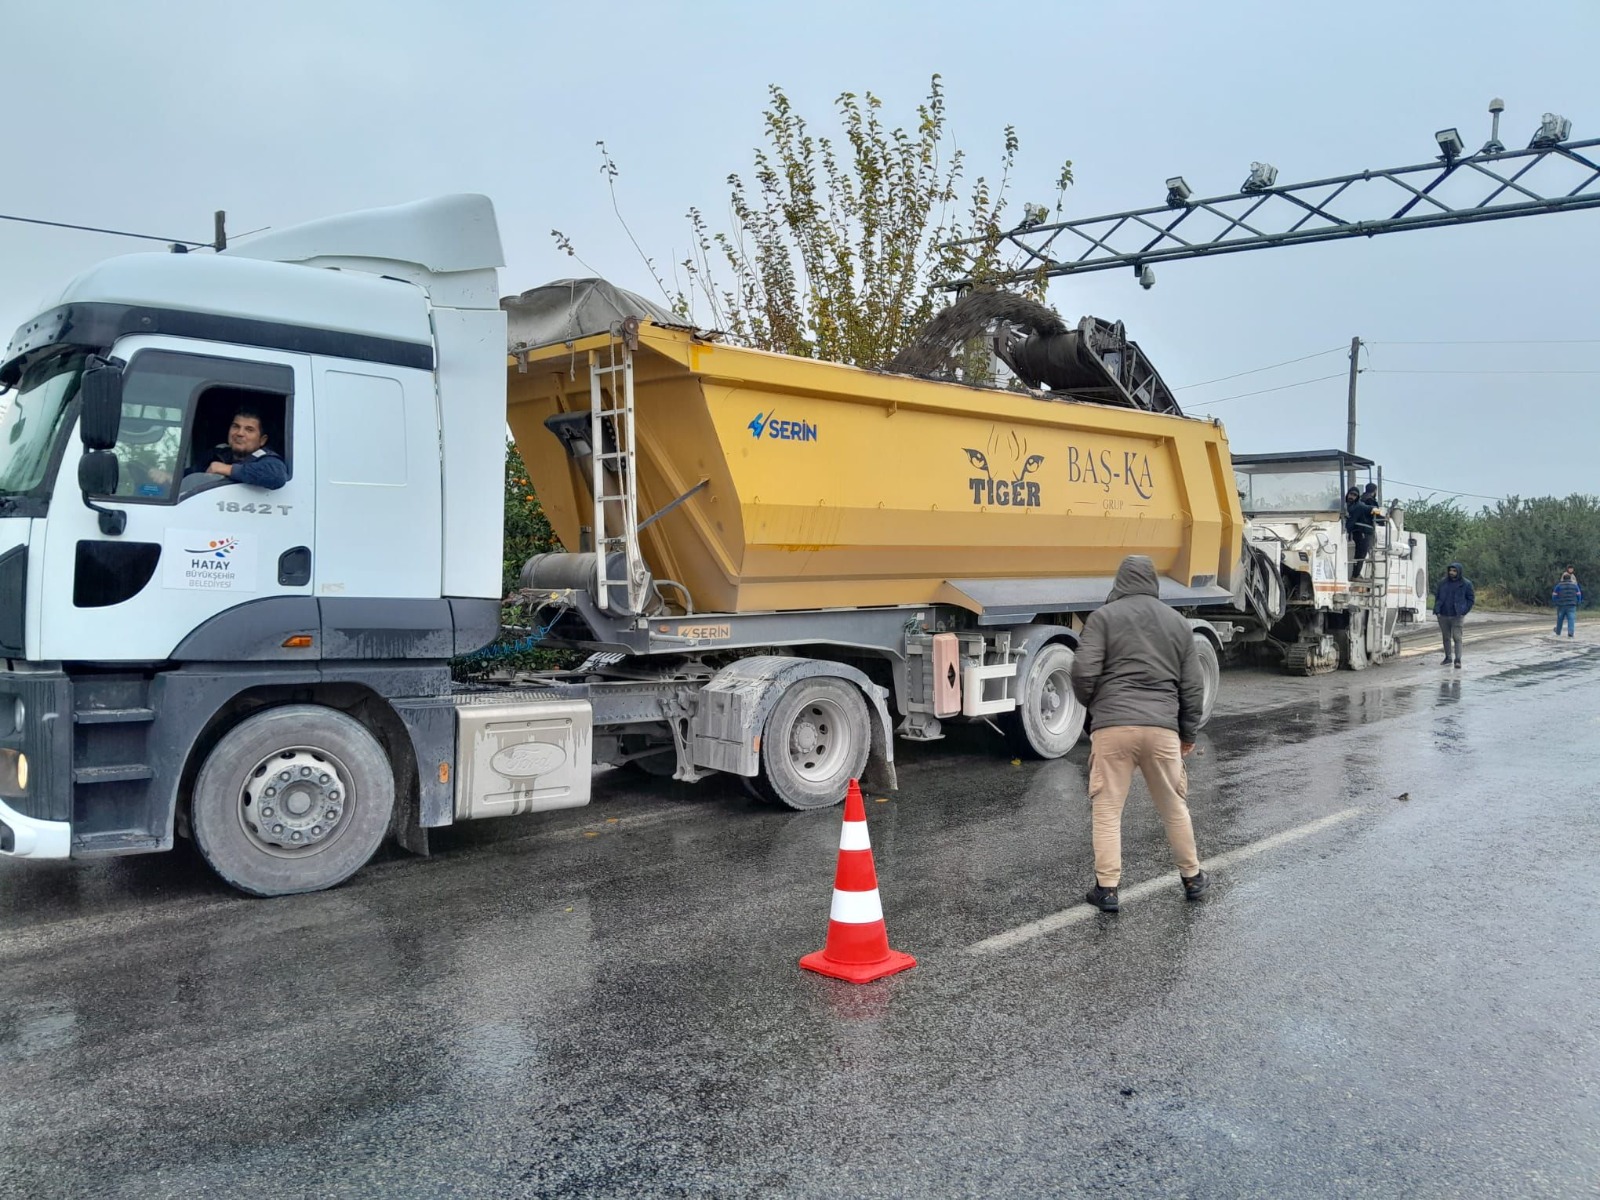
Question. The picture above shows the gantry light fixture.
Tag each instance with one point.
(1450, 144)
(1178, 192)
(1262, 177)
(1553, 130)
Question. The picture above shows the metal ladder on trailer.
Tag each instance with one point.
(613, 477)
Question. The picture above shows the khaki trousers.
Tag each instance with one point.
(1159, 757)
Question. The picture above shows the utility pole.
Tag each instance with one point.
(219, 242)
(1350, 431)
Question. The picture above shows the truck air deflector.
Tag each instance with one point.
(97, 326)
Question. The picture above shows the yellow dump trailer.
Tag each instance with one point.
(780, 565)
(812, 485)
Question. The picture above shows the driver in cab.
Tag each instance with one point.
(245, 457)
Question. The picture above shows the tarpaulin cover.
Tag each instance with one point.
(569, 309)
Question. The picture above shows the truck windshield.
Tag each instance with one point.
(33, 419)
(1290, 487)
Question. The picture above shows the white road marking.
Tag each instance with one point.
(1083, 912)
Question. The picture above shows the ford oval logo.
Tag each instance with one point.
(528, 759)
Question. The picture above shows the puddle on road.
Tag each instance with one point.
(1337, 711)
(1323, 715)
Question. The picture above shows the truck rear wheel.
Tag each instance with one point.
(1049, 719)
(295, 799)
(816, 741)
(1210, 674)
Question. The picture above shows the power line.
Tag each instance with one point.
(1258, 370)
(148, 237)
(1264, 391)
(1497, 342)
(1455, 371)
(1424, 487)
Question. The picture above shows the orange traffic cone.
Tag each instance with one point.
(858, 941)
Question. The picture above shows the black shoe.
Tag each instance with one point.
(1445, 662)
(1458, 664)
(1103, 898)
(1194, 886)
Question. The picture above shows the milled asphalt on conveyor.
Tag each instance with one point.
(606, 1002)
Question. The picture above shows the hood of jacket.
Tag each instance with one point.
(1135, 577)
(1456, 567)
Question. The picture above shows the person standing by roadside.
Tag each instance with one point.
(1137, 672)
(1452, 602)
(1566, 596)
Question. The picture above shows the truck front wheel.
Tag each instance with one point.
(816, 741)
(294, 799)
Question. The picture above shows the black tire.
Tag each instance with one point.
(1210, 673)
(272, 836)
(816, 740)
(1049, 720)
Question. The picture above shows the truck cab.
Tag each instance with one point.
(148, 607)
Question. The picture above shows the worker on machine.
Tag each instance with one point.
(1361, 513)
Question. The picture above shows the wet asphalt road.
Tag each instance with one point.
(1400, 1002)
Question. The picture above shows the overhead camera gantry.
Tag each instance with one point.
(1554, 174)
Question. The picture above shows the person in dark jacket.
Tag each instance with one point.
(1566, 596)
(1361, 519)
(1138, 673)
(1452, 602)
(245, 457)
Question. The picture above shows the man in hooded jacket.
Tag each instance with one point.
(1452, 602)
(1137, 672)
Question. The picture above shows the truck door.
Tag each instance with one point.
(379, 513)
(195, 545)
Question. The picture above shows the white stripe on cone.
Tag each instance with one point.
(854, 836)
(856, 908)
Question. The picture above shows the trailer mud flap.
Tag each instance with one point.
(732, 709)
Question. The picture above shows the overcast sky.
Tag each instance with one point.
(148, 117)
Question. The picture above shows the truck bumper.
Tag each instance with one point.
(29, 837)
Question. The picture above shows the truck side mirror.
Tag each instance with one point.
(100, 395)
(98, 473)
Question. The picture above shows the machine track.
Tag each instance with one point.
(1311, 658)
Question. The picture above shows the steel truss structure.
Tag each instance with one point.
(1495, 186)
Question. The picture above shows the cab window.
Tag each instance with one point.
(176, 409)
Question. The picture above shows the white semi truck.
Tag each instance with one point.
(267, 671)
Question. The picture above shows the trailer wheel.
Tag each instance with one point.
(1049, 719)
(295, 799)
(1210, 674)
(816, 741)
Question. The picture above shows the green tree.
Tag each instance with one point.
(1515, 551)
(1522, 546)
(1446, 525)
(528, 530)
(836, 241)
